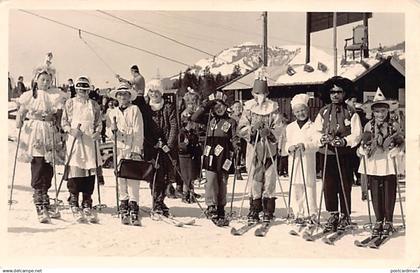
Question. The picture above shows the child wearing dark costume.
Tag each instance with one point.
(218, 154)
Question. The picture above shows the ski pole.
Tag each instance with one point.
(290, 185)
(399, 190)
(234, 183)
(274, 161)
(250, 172)
(304, 182)
(205, 144)
(184, 181)
(342, 184)
(14, 169)
(154, 179)
(322, 186)
(367, 186)
(66, 166)
(115, 166)
(54, 167)
(100, 205)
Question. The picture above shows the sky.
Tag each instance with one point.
(30, 38)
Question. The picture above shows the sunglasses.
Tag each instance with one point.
(336, 91)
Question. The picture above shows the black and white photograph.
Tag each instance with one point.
(212, 133)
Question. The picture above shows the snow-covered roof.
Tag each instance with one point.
(352, 70)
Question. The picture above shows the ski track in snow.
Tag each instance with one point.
(27, 237)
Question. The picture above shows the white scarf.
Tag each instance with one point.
(156, 106)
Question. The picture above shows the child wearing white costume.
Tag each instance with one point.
(300, 142)
(126, 121)
(82, 121)
(36, 141)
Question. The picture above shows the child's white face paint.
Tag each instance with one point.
(300, 111)
(380, 113)
(259, 98)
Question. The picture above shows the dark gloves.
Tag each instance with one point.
(339, 142)
(265, 132)
(326, 139)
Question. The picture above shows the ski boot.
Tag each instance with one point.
(41, 211)
(52, 210)
(377, 229)
(211, 212)
(344, 222)
(254, 210)
(332, 223)
(90, 214)
(269, 206)
(221, 219)
(125, 216)
(75, 209)
(134, 213)
(388, 228)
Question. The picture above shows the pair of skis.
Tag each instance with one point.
(259, 232)
(376, 241)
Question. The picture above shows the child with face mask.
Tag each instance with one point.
(37, 140)
(82, 121)
(382, 141)
(301, 143)
(218, 154)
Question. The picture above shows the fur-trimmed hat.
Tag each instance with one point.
(124, 87)
(155, 85)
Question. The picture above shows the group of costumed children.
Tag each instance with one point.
(335, 131)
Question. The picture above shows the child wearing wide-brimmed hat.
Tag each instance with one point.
(126, 122)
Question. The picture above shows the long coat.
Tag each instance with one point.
(310, 138)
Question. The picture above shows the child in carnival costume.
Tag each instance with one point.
(218, 154)
(301, 142)
(40, 107)
(164, 116)
(86, 113)
(126, 122)
(190, 150)
(382, 142)
(260, 126)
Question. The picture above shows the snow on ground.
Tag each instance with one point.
(109, 238)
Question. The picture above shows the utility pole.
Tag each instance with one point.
(265, 46)
(365, 24)
(308, 37)
(335, 41)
